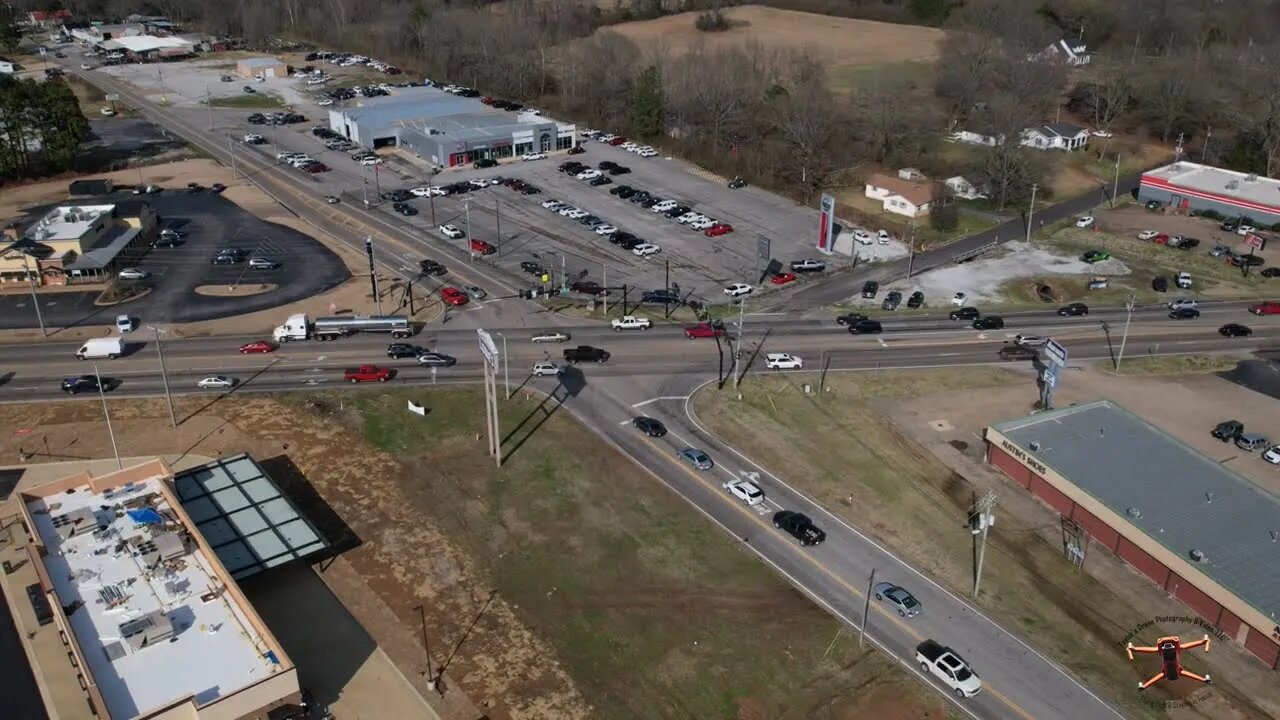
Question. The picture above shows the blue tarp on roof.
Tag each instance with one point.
(145, 516)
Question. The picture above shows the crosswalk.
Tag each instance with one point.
(707, 175)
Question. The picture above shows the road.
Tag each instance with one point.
(656, 372)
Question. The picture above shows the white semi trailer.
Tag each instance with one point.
(300, 327)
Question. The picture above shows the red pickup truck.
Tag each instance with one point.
(367, 373)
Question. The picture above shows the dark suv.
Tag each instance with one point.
(1017, 352)
(870, 288)
(660, 297)
(990, 322)
(1229, 430)
(799, 526)
(84, 383)
(965, 313)
(431, 267)
(396, 351)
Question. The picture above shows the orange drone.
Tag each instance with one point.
(1170, 649)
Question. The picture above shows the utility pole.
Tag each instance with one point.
(1130, 303)
(106, 413)
(984, 519)
(466, 208)
(164, 376)
(1115, 184)
(231, 150)
(866, 607)
(209, 105)
(911, 249)
(604, 280)
(377, 183)
(432, 197)
(1031, 209)
(373, 274)
(1177, 150)
(497, 212)
(506, 376)
(364, 185)
(737, 345)
(35, 302)
(1208, 133)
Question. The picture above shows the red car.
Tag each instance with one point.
(718, 229)
(617, 141)
(704, 330)
(486, 100)
(453, 296)
(1160, 239)
(261, 346)
(482, 247)
(314, 168)
(783, 278)
(366, 373)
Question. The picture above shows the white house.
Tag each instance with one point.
(1057, 136)
(6, 67)
(968, 187)
(1063, 51)
(973, 138)
(899, 196)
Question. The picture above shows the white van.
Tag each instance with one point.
(98, 348)
(124, 323)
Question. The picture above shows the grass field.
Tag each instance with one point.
(256, 101)
(92, 100)
(1172, 365)
(841, 451)
(653, 612)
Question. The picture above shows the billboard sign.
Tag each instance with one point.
(1257, 242)
(488, 349)
(1055, 353)
(826, 221)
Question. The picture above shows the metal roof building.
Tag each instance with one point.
(448, 130)
(1191, 186)
(1206, 535)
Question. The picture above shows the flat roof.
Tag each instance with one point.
(260, 62)
(105, 251)
(1227, 184)
(143, 43)
(250, 524)
(67, 222)
(151, 629)
(1177, 496)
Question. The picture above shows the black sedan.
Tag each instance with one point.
(396, 351)
(84, 383)
(649, 426)
(1184, 313)
(990, 322)
(532, 268)
(1271, 272)
(431, 267)
(916, 300)
(965, 313)
(1233, 330)
(1073, 309)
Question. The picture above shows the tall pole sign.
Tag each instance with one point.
(489, 351)
(826, 224)
(373, 274)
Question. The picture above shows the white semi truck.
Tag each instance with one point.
(300, 327)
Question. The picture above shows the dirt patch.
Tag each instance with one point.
(235, 290)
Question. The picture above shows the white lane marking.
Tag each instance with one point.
(624, 422)
(650, 401)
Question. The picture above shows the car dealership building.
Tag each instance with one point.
(448, 130)
(1189, 186)
(1207, 536)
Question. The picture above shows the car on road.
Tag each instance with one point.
(1179, 303)
(783, 361)
(850, 318)
(481, 247)
(1017, 352)
(745, 490)
(645, 250)
(431, 267)
(134, 274)
(738, 290)
(253, 139)
(532, 268)
(262, 264)
(704, 330)
(869, 289)
(1030, 340)
(259, 346)
(965, 313)
(1268, 307)
(891, 301)
(808, 265)
(588, 287)
(405, 209)
(435, 359)
(1095, 256)
(1085, 221)
(1148, 234)
(916, 300)
(216, 382)
(332, 199)
(630, 322)
(227, 259)
(84, 383)
(903, 602)
(475, 292)
(1186, 313)
(649, 426)
(1235, 330)
(990, 322)
(947, 665)
(451, 231)
(399, 351)
(546, 369)
(453, 296)
(799, 526)
(698, 459)
(1073, 309)
(863, 237)
(866, 327)
(783, 278)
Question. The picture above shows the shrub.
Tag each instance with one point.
(711, 21)
(944, 218)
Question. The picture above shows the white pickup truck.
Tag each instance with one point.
(946, 664)
(631, 322)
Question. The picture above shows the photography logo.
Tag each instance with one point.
(1169, 649)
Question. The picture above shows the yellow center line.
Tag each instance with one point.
(799, 552)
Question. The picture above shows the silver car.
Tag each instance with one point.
(698, 459)
(551, 336)
(900, 600)
(474, 291)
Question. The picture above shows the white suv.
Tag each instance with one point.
(664, 206)
(450, 231)
(738, 289)
(588, 174)
(745, 491)
(783, 361)
(702, 223)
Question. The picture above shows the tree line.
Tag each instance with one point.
(41, 127)
(1204, 71)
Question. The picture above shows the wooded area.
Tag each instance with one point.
(41, 127)
(1202, 70)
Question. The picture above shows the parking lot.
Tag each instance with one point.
(206, 223)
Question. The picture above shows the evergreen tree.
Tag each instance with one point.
(644, 105)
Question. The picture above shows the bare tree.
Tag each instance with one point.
(1258, 107)
(815, 138)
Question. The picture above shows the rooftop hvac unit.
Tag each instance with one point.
(1133, 512)
(1198, 556)
(1233, 185)
(1251, 178)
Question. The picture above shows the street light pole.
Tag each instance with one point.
(102, 394)
(164, 376)
(1031, 210)
(984, 508)
(1115, 184)
(466, 209)
(737, 345)
(231, 150)
(35, 302)
(506, 374)
(911, 248)
(209, 104)
(1130, 303)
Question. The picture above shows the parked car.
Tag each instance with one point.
(916, 300)
(1228, 430)
(808, 265)
(783, 278)
(738, 290)
(870, 288)
(450, 231)
(891, 301)
(1095, 256)
(1252, 442)
(1085, 221)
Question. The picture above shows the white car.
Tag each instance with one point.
(1030, 340)
(589, 174)
(1273, 455)
(745, 491)
(1181, 303)
(285, 155)
(478, 182)
(370, 161)
(1182, 280)
(450, 231)
(606, 230)
(107, 112)
(647, 152)
(1246, 229)
(565, 209)
(86, 66)
(134, 274)
(1085, 222)
(783, 361)
(576, 214)
(607, 137)
(549, 204)
(300, 160)
(252, 138)
(551, 336)
(645, 249)
(883, 237)
(863, 237)
(533, 156)
(808, 265)
(325, 102)
(1147, 234)
(738, 290)
(216, 382)
(629, 146)
(688, 217)
(702, 223)
(959, 299)
(663, 206)
(423, 191)
(546, 368)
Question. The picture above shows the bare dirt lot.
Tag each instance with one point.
(837, 42)
(544, 591)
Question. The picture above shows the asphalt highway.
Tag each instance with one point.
(655, 373)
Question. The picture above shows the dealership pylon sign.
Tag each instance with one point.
(826, 225)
